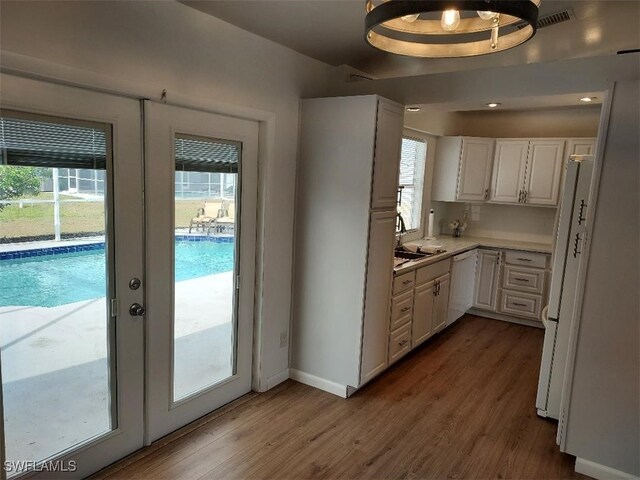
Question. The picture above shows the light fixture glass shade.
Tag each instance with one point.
(486, 15)
(410, 18)
(450, 20)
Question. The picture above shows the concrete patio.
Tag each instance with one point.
(55, 370)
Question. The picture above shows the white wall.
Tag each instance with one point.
(507, 222)
(145, 47)
(552, 122)
(604, 411)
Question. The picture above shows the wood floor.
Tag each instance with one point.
(461, 406)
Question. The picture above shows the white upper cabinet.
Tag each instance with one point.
(527, 171)
(386, 165)
(509, 171)
(580, 146)
(462, 170)
(475, 169)
(544, 168)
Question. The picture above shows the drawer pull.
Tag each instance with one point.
(405, 309)
(403, 342)
(521, 279)
(523, 259)
(407, 282)
(519, 304)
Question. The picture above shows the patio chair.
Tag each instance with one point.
(227, 220)
(206, 215)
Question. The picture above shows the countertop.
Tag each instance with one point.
(456, 245)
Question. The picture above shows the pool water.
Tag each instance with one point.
(52, 280)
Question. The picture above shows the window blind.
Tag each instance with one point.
(199, 155)
(32, 143)
(412, 158)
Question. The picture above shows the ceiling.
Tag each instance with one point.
(332, 32)
(540, 102)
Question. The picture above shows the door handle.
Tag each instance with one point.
(136, 310)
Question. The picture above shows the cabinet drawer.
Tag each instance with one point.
(403, 282)
(401, 310)
(399, 343)
(430, 272)
(521, 304)
(523, 279)
(526, 259)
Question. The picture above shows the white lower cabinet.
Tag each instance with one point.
(423, 313)
(421, 309)
(441, 303)
(524, 280)
(399, 343)
(487, 277)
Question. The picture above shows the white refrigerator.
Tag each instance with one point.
(571, 230)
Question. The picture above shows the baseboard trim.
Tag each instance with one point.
(601, 472)
(277, 379)
(506, 318)
(318, 382)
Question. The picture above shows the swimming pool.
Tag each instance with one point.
(52, 280)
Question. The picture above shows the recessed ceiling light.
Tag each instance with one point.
(493, 105)
(413, 109)
(587, 99)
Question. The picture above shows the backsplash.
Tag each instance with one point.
(508, 222)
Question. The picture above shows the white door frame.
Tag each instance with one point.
(162, 123)
(123, 114)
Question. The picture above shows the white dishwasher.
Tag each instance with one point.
(463, 279)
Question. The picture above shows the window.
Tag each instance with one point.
(412, 162)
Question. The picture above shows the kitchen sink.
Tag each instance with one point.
(409, 255)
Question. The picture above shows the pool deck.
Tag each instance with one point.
(18, 247)
(54, 363)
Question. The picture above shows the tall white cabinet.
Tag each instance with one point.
(344, 240)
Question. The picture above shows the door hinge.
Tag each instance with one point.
(114, 307)
(237, 282)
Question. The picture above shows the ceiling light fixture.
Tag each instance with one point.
(587, 99)
(449, 28)
(413, 109)
(493, 105)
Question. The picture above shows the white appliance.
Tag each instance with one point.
(463, 277)
(557, 317)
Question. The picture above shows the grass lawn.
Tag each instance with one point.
(36, 219)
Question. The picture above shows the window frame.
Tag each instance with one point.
(411, 134)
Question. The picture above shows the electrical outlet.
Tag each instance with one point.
(284, 339)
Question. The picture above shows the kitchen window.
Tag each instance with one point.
(410, 196)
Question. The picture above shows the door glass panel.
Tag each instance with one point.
(55, 330)
(206, 234)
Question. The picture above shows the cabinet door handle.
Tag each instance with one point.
(576, 252)
(521, 279)
(580, 214)
(519, 304)
(405, 309)
(407, 282)
(522, 259)
(403, 342)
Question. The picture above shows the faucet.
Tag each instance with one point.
(401, 229)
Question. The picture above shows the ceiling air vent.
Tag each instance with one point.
(553, 19)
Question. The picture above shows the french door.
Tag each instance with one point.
(200, 197)
(127, 263)
(72, 357)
